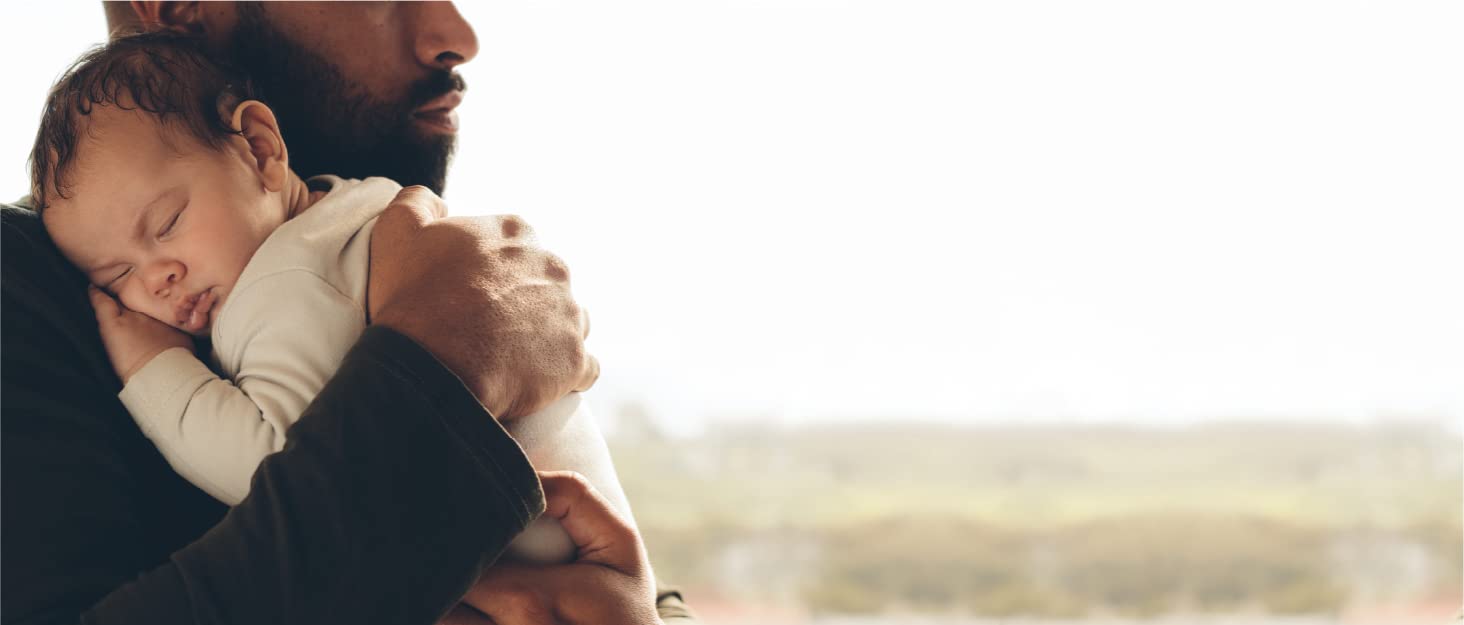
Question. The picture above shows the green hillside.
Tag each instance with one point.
(1047, 521)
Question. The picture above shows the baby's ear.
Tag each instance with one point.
(256, 124)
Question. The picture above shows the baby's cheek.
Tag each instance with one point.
(131, 300)
(134, 300)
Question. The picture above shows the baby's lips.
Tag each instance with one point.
(194, 313)
(203, 307)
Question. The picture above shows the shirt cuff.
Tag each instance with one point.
(461, 415)
(162, 387)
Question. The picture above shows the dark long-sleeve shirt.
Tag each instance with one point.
(395, 487)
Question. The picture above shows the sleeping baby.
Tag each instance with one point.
(159, 176)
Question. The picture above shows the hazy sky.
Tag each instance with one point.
(968, 211)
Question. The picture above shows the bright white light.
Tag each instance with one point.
(971, 211)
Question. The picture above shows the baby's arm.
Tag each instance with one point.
(208, 430)
(284, 336)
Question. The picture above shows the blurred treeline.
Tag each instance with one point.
(1053, 521)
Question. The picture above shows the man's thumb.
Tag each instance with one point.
(600, 534)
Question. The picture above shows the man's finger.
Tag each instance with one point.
(421, 201)
(514, 594)
(411, 209)
(514, 228)
(600, 535)
(105, 307)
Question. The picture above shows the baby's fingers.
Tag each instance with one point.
(105, 307)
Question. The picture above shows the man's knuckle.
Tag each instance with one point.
(511, 226)
(577, 483)
(555, 269)
(511, 252)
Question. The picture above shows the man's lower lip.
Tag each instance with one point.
(440, 121)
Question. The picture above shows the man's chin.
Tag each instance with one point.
(425, 163)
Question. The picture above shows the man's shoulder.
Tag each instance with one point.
(21, 225)
(31, 260)
(27, 249)
(47, 316)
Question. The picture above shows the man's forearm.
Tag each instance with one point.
(394, 489)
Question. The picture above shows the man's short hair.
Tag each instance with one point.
(167, 75)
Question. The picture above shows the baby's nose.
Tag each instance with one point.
(166, 276)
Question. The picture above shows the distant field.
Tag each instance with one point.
(1055, 521)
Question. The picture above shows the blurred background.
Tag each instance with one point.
(988, 312)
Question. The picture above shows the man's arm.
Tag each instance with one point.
(553, 360)
(393, 492)
(395, 489)
(89, 505)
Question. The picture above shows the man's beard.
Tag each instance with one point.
(332, 125)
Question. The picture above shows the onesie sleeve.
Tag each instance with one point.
(283, 335)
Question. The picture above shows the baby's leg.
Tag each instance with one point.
(563, 437)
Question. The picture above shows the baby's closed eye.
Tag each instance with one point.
(109, 284)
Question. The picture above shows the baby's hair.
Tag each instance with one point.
(167, 75)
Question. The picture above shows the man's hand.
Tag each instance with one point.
(132, 338)
(479, 295)
(609, 583)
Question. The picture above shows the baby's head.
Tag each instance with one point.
(157, 174)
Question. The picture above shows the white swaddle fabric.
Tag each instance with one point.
(563, 437)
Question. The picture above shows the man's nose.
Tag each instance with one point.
(444, 39)
(163, 276)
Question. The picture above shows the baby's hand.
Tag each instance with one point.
(132, 338)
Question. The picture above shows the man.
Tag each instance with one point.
(397, 488)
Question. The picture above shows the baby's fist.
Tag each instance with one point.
(132, 338)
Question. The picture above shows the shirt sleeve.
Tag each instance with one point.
(284, 336)
(392, 492)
